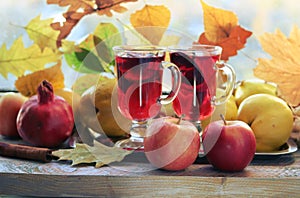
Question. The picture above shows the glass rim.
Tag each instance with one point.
(211, 49)
(139, 48)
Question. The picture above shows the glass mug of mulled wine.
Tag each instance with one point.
(139, 89)
(202, 74)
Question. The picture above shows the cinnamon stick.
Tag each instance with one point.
(25, 152)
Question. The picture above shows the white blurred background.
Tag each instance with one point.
(256, 15)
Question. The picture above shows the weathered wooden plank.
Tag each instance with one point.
(115, 186)
(284, 166)
(277, 176)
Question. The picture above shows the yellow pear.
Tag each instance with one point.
(249, 87)
(99, 110)
(167, 110)
(270, 118)
(84, 82)
(229, 109)
(205, 122)
(71, 97)
(296, 112)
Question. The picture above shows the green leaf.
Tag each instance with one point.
(109, 34)
(75, 64)
(102, 50)
(106, 36)
(19, 59)
(99, 154)
(99, 44)
(84, 61)
(103, 39)
(89, 60)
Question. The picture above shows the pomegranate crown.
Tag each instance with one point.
(45, 92)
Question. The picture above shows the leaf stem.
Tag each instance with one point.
(134, 32)
(249, 57)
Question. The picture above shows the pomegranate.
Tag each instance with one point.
(45, 119)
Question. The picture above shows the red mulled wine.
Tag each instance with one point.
(198, 85)
(139, 86)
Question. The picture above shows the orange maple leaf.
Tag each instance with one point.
(79, 8)
(231, 44)
(284, 66)
(221, 28)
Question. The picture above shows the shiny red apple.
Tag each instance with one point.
(171, 143)
(229, 145)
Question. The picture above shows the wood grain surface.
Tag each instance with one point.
(266, 176)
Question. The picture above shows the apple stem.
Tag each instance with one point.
(223, 118)
(180, 118)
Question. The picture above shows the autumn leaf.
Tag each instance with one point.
(106, 35)
(18, 59)
(104, 7)
(27, 85)
(103, 50)
(217, 22)
(99, 154)
(44, 36)
(231, 44)
(284, 66)
(41, 33)
(169, 40)
(80, 8)
(151, 22)
(84, 61)
(68, 47)
(96, 53)
(221, 28)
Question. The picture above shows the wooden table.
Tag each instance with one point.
(266, 176)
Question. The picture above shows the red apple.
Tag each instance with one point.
(10, 104)
(171, 144)
(229, 145)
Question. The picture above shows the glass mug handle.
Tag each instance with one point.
(176, 75)
(230, 82)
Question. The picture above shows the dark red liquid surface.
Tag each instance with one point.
(198, 85)
(139, 86)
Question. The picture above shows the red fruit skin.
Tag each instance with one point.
(229, 147)
(45, 125)
(10, 104)
(171, 146)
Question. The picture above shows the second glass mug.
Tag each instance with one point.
(139, 88)
(202, 72)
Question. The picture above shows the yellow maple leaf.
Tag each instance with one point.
(151, 22)
(18, 59)
(284, 66)
(217, 22)
(69, 47)
(42, 33)
(27, 85)
(99, 154)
